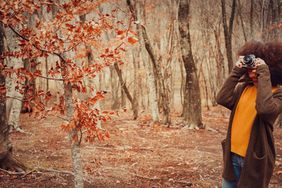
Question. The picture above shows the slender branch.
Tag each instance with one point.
(49, 78)
(60, 117)
(38, 48)
(119, 46)
(80, 139)
(231, 20)
(53, 170)
(146, 177)
(26, 39)
(11, 172)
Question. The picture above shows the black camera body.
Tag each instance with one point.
(249, 61)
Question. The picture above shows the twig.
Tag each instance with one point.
(50, 78)
(36, 170)
(32, 171)
(38, 48)
(11, 172)
(149, 178)
(53, 170)
(18, 129)
(186, 183)
(60, 117)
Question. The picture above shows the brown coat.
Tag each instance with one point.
(260, 157)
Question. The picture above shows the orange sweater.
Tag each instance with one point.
(243, 121)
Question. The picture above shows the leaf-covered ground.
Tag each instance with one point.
(136, 155)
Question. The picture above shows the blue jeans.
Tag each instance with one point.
(238, 164)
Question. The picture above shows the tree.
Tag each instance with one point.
(192, 111)
(6, 159)
(228, 30)
(14, 101)
(156, 74)
(152, 68)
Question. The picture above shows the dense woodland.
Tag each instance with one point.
(84, 61)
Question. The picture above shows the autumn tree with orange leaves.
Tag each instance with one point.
(57, 31)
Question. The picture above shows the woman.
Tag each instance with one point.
(252, 94)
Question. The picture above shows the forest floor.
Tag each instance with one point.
(136, 155)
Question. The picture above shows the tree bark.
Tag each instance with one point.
(115, 89)
(228, 29)
(152, 69)
(6, 160)
(241, 20)
(192, 111)
(126, 91)
(280, 121)
(136, 89)
(5, 145)
(219, 59)
(14, 103)
(75, 145)
(252, 16)
(73, 135)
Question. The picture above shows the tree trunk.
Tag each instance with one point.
(126, 91)
(14, 102)
(252, 16)
(192, 111)
(157, 76)
(241, 20)
(6, 160)
(271, 18)
(136, 89)
(280, 121)
(29, 91)
(5, 145)
(228, 31)
(152, 69)
(219, 60)
(152, 93)
(73, 136)
(115, 89)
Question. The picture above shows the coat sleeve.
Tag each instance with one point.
(266, 103)
(226, 95)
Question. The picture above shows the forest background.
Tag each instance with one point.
(92, 68)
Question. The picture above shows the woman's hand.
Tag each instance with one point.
(239, 62)
(259, 62)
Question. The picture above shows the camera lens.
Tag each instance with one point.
(249, 61)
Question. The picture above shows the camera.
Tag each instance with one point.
(249, 61)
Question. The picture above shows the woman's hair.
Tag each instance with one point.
(252, 47)
(270, 52)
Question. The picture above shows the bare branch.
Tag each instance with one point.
(49, 78)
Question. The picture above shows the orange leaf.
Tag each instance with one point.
(107, 134)
(119, 32)
(37, 73)
(132, 40)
